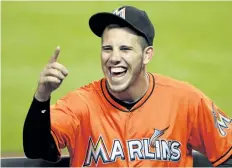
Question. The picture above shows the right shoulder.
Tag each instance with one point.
(82, 95)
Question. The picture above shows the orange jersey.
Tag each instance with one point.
(170, 120)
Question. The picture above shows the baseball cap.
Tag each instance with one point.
(128, 16)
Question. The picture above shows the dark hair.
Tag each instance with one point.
(142, 40)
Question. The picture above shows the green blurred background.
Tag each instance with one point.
(193, 43)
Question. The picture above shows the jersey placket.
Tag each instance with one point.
(130, 136)
(128, 130)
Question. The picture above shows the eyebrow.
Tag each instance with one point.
(126, 46)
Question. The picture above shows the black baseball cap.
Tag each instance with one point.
(128, 16)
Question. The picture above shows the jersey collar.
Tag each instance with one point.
(138, 104)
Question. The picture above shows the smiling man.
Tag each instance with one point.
(123, 62)
(130, 117)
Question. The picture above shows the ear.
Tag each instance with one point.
(147, 54)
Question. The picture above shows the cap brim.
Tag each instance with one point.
(100, 21)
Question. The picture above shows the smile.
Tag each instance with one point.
(117, 73)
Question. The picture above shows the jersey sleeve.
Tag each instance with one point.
(65, 120)
(211, 132)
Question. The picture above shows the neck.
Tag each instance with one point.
(136, 91)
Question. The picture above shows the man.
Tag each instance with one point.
(130, 117)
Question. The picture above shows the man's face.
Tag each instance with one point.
(121, 58)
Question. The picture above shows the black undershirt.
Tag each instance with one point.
(127, 105)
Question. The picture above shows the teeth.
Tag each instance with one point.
(117, 70)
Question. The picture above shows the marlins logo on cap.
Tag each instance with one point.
(121, 12)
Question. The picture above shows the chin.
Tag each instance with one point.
(118, 88)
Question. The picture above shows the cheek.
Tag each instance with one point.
(104, 57)
(133, 60)
(128, 58)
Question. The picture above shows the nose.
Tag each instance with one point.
(115, 57)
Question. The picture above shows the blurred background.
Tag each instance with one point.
(193, 43)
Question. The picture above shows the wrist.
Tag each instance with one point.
(41, 97)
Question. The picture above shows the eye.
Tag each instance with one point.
(124, 48)
(106, 48)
